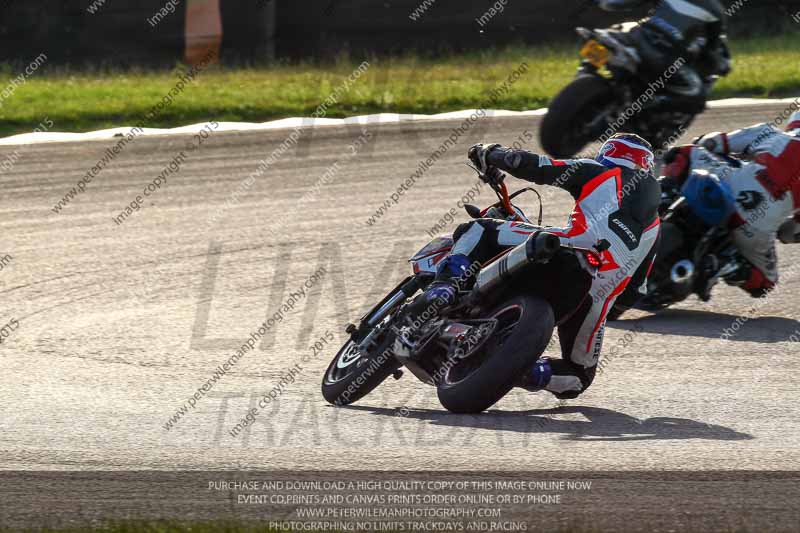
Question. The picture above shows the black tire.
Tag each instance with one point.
(478, 382)
(670, 242)
(577, 104)
(343, 385)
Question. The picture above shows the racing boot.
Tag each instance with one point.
(569, 383)
(538, 377)
(751, 280)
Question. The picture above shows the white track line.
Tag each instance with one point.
(380, 118)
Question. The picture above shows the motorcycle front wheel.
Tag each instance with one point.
(352, 374)
(525, 325)
(564, 130)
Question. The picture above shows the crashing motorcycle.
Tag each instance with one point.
(696, 249)
(474, 351)
(610, 82)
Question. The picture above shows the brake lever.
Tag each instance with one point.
(486, 179)
(497, 186)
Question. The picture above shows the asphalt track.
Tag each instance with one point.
(118, 325)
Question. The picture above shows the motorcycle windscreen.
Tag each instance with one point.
(709, 198)
(427, 259)
(439, 244)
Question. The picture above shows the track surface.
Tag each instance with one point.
(120, 324)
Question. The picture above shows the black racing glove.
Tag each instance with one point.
(715, 142)
(479, 154)
(493, 176)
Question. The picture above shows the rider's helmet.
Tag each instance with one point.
(626, 150)
(793, 126)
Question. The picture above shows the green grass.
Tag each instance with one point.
(82, 101)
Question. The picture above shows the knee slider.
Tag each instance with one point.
(486, 223)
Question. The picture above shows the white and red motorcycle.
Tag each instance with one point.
(475, 351)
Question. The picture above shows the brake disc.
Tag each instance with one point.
(472, 340)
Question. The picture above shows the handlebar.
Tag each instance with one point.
(497, 183)
(506, 201)
(500, 189)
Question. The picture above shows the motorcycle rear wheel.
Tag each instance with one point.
(563, 133)
(472, 385)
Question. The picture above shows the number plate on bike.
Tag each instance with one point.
(595, 53)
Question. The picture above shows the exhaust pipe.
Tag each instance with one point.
(538, 248)
(682, 272)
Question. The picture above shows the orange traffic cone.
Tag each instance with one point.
(203, 31)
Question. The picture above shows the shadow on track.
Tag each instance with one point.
(712, 325)
(601, 424)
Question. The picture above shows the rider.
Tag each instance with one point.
(615, 213)
(688, 29)
(766, 185)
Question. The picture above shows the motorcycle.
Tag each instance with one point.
(475, 351)
(696, 249)
(611, 78)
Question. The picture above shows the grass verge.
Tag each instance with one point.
(83, 101)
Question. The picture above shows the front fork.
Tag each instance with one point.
(366, 329)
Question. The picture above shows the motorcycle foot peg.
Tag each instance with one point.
(350, 329)
(397, 374)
